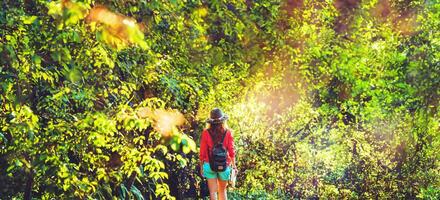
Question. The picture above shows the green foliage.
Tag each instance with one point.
(429, 193)
(327, 99)
(257, 195)
(342, 113)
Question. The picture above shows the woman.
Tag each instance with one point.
(216, 131)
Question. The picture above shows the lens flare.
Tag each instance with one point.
(164, 120)
(118, 30)
(403, 21)
(101, 14)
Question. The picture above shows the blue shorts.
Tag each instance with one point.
(208, 173)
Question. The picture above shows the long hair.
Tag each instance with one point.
(217, 130)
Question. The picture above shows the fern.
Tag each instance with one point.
(136, 192)
(123, 192)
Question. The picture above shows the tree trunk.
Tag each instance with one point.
(28, 187)
(130, 182)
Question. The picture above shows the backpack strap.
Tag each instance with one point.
(224, 135)
(223, 138)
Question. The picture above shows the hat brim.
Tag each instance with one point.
(218, 120)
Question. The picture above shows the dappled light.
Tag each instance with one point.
(403, 21)
(115, 29)
(167, 120)
(118, 30)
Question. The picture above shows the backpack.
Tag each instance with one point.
(218, 155)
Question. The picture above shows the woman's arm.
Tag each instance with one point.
(203, 147)
(231, 149)
(203, 151)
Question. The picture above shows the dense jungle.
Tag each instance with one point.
(327, 99)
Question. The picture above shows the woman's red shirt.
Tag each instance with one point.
(206, 145)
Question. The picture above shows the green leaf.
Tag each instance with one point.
(36, 59)
(137, 193)
(175, 142)
(3, 138)
(123, 190)
(29, 19)
(54, 8)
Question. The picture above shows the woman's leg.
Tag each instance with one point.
(212, 185)
(222, 195)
